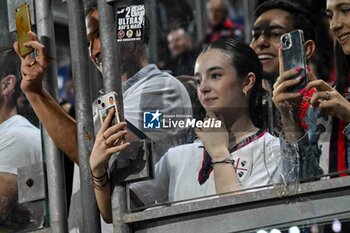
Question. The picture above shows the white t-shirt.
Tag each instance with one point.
(20, 144)
(257, 163)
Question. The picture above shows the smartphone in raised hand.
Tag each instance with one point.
(23, 25)
(107, 102)
(110, 100)
(293, 54)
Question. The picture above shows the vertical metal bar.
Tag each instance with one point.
(199, 14)
(83, 112)
(110, 72)
(54, 161)
(112, 81)
(96, 82)
(151, 8)
(119, 209)
(4, 25)
(248, 10)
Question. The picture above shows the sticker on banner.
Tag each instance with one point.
(130, 22)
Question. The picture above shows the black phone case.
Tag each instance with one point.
(294, 56)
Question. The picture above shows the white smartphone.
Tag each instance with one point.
(107, 102)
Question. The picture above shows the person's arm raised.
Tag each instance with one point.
(288, 103)
(109, 140)
(216, 143)
(59, 125)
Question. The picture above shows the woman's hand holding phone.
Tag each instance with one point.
(282, 97)
(287, 102)
(109, 140)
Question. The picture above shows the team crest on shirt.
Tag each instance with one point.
(242, 167)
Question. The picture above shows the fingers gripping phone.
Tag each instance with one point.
(293, 53)
(107, 102)
(23, 25)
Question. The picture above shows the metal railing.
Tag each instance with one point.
(232, 213)
(53, 158)
(83, 113)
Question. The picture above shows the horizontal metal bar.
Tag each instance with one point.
(319, 221)
(322, 187)
(242, 220)
(44, 230)
(314, 202)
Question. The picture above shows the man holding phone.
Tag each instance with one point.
(23, 25)
(273, 19)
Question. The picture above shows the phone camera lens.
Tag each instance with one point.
(286, 41)
(99, 101)
(103, 105)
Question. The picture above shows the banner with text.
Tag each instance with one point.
(130, 23)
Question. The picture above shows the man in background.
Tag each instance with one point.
(183, 54)
(272, 19)
(220, 26)
(20, 144)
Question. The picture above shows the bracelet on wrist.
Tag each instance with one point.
(99, 177)
(225, 160)
(100, 181)
(100, 186)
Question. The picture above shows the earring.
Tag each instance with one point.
(245, 92)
